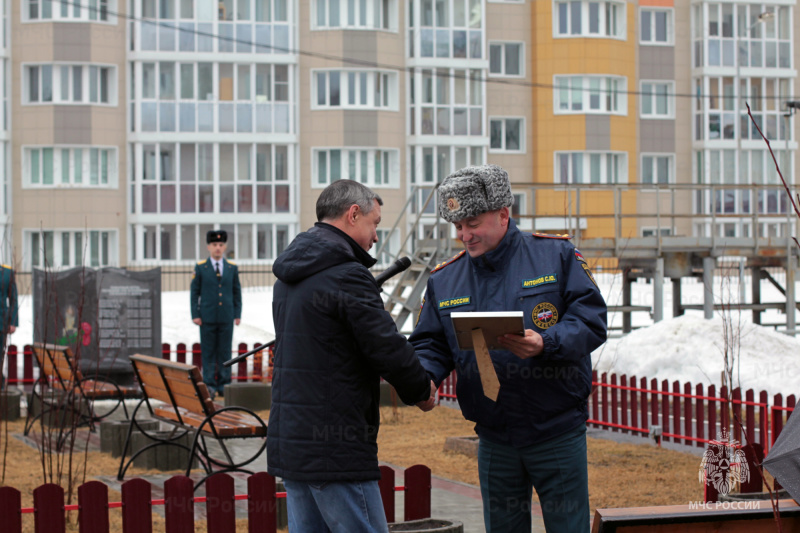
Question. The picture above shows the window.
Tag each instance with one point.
(355, 89)
(655, 26)
(446, 102)
(207, 178)
(447, 29)
(590, 94)
(70, 84)
(71, 248)
(505, 59)
(372, 167)
(391, 246)
(261, 27)
(212, 97)
(657, 169)
(507, 134)
(72, 10)
(652, 232)
(715, 108)
(585, 18)
(658, 99)
(519, 212)
(591, 167)
(720, 29)
(351, 14)
(69, 166)
(187, 242)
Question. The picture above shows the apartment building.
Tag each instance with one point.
(129, 129)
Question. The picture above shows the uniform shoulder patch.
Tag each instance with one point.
(231, 262)
(8, 267)
(202, 262)
(449, 261)
(565, 236)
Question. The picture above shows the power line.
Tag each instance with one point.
(435, 70)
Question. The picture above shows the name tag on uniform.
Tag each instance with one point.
(454, 302)
(541, 280)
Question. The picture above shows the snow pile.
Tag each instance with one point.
(690, 349)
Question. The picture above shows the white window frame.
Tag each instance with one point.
(57, 88)
(665, 232)
(522, 148)
(503, 46)
(521, 205)
(670, 29)
(654, 156)
(391, 249)
(621, 22)
(586, 162)
(83, 8)
(87, 155)
(645, 93)
(381, 83)
(587, 92)
(388, 15)
(390, 161)
(86, 244)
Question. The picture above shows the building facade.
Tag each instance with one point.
(129, 129)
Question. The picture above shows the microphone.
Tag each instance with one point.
(398, 266)
(238, 358)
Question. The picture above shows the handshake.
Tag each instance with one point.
(430, 403)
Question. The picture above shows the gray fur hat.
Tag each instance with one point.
(474, 190)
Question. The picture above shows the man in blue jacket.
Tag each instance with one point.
(534, 435)
(216, 301)
(334, 341)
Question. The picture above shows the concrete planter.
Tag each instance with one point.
(114, 432)
(162, 458)
(57, 412)
(429, 525)
(253, 396)
(10, 404)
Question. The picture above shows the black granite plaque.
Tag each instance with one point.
(104, 315)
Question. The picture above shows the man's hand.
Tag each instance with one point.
(12, 329)
(198, 321)
(525, 347)
(430, 403)
(237, 321)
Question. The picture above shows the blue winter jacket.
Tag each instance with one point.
(547, 278)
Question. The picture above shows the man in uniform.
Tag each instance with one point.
(534, 434)
(9, 313)
(216, 300)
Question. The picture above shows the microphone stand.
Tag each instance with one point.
(248, 354)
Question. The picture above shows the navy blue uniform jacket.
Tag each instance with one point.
(547, 278)
(9, 308)
(334, 343)
(216, 301)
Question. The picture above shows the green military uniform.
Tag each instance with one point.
(9, 310)
(217, 301)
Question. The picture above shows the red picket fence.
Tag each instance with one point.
(251, 369)
(691, 415)
(49, 510)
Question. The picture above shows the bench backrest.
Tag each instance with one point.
(58, 364)
(176, 384)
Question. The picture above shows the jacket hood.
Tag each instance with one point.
(315, 250)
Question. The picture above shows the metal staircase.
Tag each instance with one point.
(404, 292)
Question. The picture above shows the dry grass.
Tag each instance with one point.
(620, 475)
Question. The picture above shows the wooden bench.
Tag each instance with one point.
(60, 372)
(185, 403)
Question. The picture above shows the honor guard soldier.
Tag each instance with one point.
(9, 312)
(216, 300)
(532, 429)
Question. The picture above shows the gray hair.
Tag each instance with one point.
(337, 198)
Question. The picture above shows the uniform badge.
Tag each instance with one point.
(420, 311)
(452, 204)
(454, 302)
(544, 315)
(589, 273)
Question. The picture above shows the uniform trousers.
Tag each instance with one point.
(215, 345)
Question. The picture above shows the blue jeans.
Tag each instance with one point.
(556, 468)
(336, 507)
